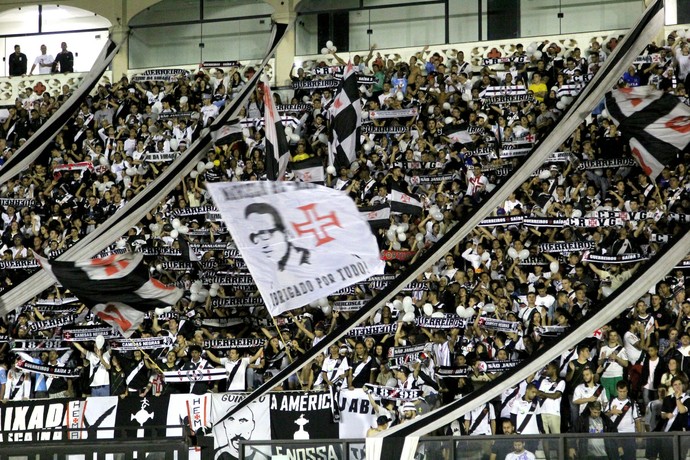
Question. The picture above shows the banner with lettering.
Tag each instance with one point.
(143, 343)
(302, 416)
(614, 259)
(396, 394)
(398, 113)
(564, 246)
(371, 129)
(227, 344)
(357, 414)
(481, 366)
(167, 75)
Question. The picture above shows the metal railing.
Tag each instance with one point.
(568, 446)
(122, 443)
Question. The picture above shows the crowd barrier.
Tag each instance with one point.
(479, 447)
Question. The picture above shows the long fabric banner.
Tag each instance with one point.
(396, 394)
(50, 371)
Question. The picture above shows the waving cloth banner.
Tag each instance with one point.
(117, 289)
(296, 239)
(655, 123)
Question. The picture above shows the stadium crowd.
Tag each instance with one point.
(512, 283)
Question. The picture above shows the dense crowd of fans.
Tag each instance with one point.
(103, 157)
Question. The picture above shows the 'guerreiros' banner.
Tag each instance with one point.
(296, 239)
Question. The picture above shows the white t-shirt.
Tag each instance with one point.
(43, 59)
(238, 382)
(551, 406)
(583, 391)
(627, 425)
(525, 455)
(523, 409)
(629, 340)
(484, 426)
(98, 370)
(613, 369)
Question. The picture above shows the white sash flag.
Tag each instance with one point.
(297, 239)
(277, 148)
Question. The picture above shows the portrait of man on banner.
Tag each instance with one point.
(269, 233)
(249, 423)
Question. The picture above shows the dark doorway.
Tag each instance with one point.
(503, 19)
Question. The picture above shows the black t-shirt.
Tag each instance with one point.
(502, 447)
(680, 422)
(364, 374)
(577, 373)
(141, 377)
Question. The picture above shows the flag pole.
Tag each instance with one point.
(146, 355)
(287, 348)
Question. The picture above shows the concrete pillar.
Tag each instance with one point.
(120, 63)
(284, 13)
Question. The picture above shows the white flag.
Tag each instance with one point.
(300, 241)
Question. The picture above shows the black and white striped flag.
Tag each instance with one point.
(347, 121)
(277, 148)
(309, 170)
(378, 215)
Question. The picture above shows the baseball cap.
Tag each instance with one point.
(409, 406)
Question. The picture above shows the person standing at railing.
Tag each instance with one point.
(674, 416)
(593, 421)
(17, 63)
(44, 61)
(625, 417)
(64, 61)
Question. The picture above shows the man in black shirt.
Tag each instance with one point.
(64, 59)
(17, 63)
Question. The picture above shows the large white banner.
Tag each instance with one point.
(357, 414)
(300, 241)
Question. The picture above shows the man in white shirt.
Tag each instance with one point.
(544, 299)
(508, 398)
(526, 415)
(612, 363)
(18, 384)
(551, 389)
(481, 421)
(588, 391)
(519, 452)
(626, 418)
(208, 110)
(235, 367)
(44, 61)
(99, 364)
(634, 345)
